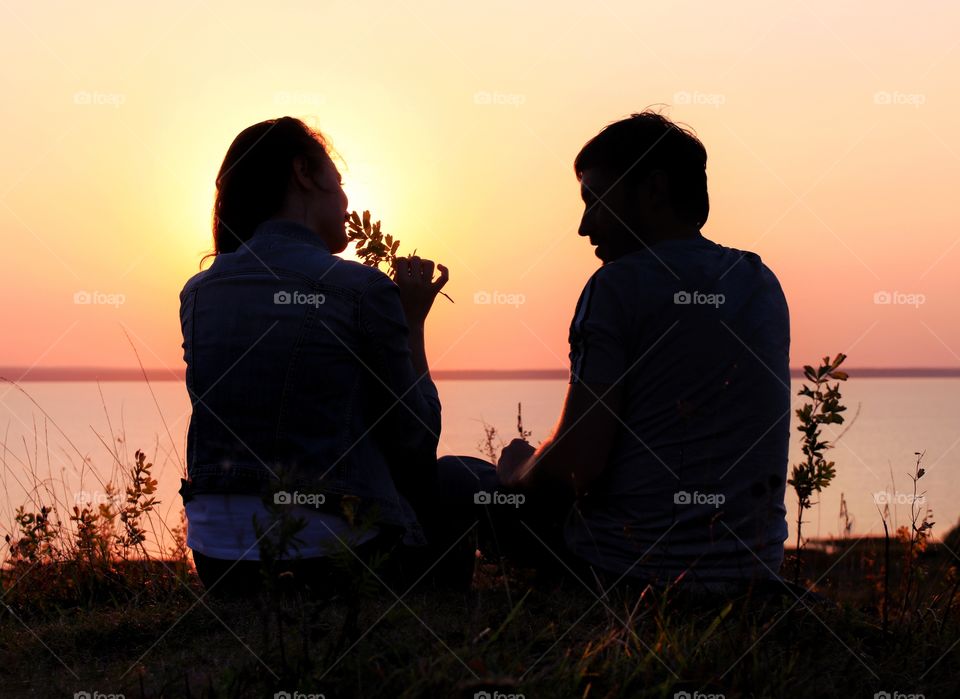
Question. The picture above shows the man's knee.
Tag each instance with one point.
(465, 475)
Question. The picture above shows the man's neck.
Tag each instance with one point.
(684, 232)
(680, 233)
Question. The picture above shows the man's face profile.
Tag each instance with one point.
(607, 222)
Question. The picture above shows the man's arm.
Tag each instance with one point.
(581, 444)
(579, 448)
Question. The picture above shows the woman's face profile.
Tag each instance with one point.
(330, 206)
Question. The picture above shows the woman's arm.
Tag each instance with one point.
(392, 315)
(418, 291)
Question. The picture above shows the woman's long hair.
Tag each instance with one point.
(253, 179)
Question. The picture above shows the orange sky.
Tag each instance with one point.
(831, 133)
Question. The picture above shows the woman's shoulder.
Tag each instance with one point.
(351, 273)
(193, 281)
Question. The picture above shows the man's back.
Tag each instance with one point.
(698, 335)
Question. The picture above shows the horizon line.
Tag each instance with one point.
(17, 374)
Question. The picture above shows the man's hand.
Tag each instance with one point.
(578, 450)
(513, 457)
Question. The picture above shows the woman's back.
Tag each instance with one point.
(287, 347)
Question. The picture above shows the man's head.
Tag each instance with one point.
(642, 179)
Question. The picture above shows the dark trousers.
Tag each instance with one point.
(465, 509)
(524, 528)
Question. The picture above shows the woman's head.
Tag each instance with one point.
(279, 168)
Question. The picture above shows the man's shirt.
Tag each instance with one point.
(698, 336)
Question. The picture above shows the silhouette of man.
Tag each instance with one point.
(673, 437)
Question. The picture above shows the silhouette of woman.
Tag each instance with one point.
(312, 400)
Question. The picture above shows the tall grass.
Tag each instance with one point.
(93, 601)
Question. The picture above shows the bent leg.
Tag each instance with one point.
(526, 528)
(449, 520)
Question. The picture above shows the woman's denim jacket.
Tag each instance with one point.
(301, 382)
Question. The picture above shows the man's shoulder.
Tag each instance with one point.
(739, 256)
(749, 268)
(708, 258)
(667, 259)
(650, 278)
(655, 269)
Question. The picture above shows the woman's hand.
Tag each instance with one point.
(418, 289)
(513, 457)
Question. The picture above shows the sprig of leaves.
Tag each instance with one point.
(815, 473)
(138, 502)
(373, 247)
(824, 408)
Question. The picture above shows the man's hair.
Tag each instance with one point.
(631, 148)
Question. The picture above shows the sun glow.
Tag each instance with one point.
(464, 153)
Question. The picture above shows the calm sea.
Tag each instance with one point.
(64, 439)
